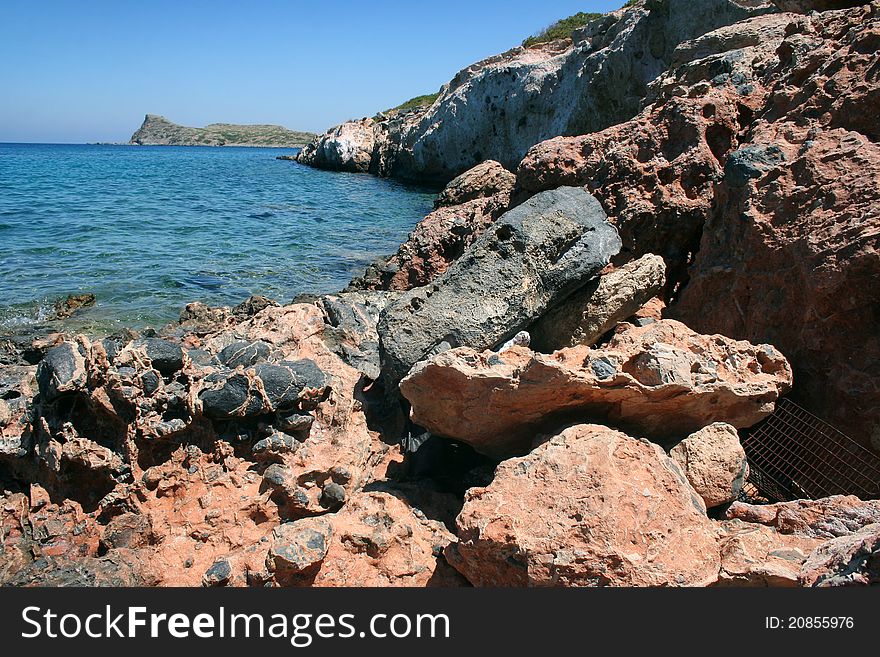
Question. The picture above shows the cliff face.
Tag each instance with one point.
(498, 108)
(159, 131)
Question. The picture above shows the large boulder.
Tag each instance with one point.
(347, 147)
(714, 461)
(600, 305)
(486, 179)
(534, 256)
(434, 244)
(662, 381)
(588, 507)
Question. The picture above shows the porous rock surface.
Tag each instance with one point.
(714, 462)
(662, 381)
(588, 507)
(752, 170)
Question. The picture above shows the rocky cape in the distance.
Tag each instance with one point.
(652, 234)
(158, 131)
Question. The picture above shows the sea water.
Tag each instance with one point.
(150, 229)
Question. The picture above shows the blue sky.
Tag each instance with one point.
(88, 70)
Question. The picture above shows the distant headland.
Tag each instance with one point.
(158, 131)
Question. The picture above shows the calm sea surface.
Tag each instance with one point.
(149, 229)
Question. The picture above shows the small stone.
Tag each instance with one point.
(166, 356)
(294, 421)
(276, 445)
(332, 495)
(298, 548)
(218, 574)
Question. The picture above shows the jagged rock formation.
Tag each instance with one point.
(662, 381)
(435, 243)
(600, 305)
(263, 445)
(158, 131)
(497, 108)
(566, 515)
(486, 179)
(536, 255)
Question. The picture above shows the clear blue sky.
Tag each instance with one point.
(88, 70)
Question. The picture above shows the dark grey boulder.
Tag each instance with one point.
(533, 257)
(264, 388)
(241, 353)
(351, 319)
(62, 370)
(166, 356)
(232, 396)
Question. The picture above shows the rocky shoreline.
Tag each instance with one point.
(546, 385)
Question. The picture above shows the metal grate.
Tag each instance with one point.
(793, 454)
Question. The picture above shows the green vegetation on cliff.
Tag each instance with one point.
(159, 131)
(418, 101)
(562, 29)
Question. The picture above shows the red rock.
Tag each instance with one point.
(437, 241)
(379, 540)
(827, 517)
(754, 555)
(845, 561)
(714, 463)
(662, 380)
(756, 166)
(588, 507)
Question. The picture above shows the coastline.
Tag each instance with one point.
(631, 345)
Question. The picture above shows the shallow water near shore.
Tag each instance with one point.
(150, 229)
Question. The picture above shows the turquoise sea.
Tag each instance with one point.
(149, 229)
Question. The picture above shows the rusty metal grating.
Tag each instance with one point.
(793, 454)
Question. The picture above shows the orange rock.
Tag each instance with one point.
(663, 381)
(588, 507)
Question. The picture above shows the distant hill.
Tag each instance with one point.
(158, 131)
